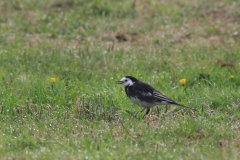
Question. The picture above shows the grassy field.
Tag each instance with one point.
(88, 45)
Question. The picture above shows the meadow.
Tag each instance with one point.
(59, 61)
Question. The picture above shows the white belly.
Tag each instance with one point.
(144, 103)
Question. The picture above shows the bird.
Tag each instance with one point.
(144, 95)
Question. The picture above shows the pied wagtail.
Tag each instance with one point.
(145, 95)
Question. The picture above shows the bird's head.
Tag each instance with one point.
(127, 81)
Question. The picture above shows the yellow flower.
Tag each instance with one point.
(232, 76)
(53, 80)
(183, 81)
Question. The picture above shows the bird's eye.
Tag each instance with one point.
(125, 80)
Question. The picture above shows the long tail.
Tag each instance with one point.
(180, 105)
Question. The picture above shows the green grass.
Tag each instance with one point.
(85, 115)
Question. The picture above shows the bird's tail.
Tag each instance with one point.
(180, 105)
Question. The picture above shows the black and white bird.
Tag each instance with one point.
(145, 95)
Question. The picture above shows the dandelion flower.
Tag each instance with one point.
(183, 81)
(53, 80)
(232, 76)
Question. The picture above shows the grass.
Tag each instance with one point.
(87, 46)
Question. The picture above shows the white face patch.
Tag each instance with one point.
(126, 82)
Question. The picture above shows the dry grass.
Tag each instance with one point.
(86, 46)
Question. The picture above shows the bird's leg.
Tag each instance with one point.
(166, 108)
(138, 112)
(148, 109)
(143, 110)
(158, 111)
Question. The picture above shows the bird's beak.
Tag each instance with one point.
(119, 82)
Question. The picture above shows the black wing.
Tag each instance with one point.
(162, 97)
(147, 93)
